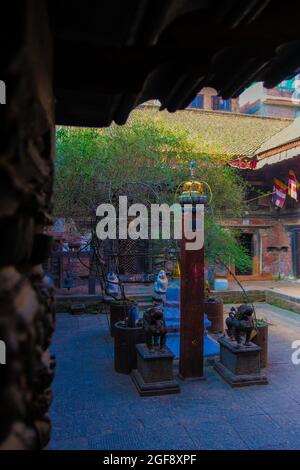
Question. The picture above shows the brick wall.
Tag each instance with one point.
(274, 239)
(274, 235)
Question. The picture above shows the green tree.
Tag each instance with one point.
(147, 155)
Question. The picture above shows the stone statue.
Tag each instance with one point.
(240, 322)
(113, 285)
(155, 326)
(133, 316)
(161, 283)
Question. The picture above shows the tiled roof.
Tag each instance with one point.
(285, 136)
(231, 134)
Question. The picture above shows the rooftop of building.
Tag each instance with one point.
(287, 135)
(220, 132)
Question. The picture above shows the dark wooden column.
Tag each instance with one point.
(27, 316)
(191, 308)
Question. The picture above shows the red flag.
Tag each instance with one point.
(292, 186)
(279, 193)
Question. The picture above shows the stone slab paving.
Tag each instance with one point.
(97, 408)
(290, 287)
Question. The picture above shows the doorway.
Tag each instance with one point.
(246, 240)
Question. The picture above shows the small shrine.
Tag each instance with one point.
(172, 318)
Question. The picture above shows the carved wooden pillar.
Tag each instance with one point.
(26, 181)
(192, 299)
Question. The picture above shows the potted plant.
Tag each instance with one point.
(261, 339)
(119, 309)
(127, 333)
(213, 307)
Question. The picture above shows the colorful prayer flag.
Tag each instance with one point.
(292, 186)
(279, 193)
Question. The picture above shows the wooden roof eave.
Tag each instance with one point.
(279, 154)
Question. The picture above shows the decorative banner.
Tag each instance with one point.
(279, 193)
(244, 164)
(292, 186)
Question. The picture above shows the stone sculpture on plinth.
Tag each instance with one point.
(239, 362)
(154, 373)
(155, 325)
(240, 322)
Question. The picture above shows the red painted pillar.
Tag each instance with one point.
(192, 300)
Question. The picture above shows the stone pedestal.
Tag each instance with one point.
(126, 339)
(118, 312)
(240, 366)
(154, 373)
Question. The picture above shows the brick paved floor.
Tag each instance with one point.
(96, 408)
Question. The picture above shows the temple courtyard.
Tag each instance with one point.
(96, 408)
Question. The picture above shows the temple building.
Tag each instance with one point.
(281, 101)
(261, 149)
(264, 149)
(271, 227)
